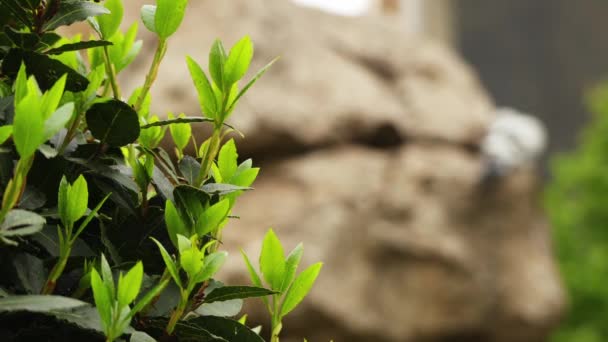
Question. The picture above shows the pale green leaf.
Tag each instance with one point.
(217, 58)
(109, 23)
(212, 217)
(272, 260)
(103, 299)
(174, 222)
(168, 17)
(5, 133)
(227, 160)
(300, 288)
(238, 61)
(206, 96)
(213, 263)
(129, 285)
(291, 266)
(253, 274)
(171, 267)
(148, 12)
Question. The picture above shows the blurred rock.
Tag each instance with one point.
(373, 138)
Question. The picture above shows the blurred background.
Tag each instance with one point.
(385, 147)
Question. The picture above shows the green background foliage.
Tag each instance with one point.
(577, 206)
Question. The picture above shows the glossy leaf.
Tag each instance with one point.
(226, 328)
(38, 303)
(71, 11)
(225, 293)
(78, 46)
(222, 189)
(21, 222)
(113, 122)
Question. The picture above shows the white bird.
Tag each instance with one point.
(513, 140)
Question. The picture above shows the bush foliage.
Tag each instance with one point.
(576, 202)
(103, 235)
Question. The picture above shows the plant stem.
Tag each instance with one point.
(161, 49)
(56, 272)
(275, 320)
(111, 73)
(177, 313)
(209, 156)
(16, 186)
(70, 134)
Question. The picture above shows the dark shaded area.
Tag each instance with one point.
(537, 56)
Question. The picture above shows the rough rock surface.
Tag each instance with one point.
(368, 140)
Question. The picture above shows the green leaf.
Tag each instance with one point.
(171, 267)
(190, 168)
(222, 189)
(71, 11)
(238, 61)
(191, 202)
(227, 160)
(52, 98)
(212, 217)
(148, 298)
(169, 16)
(17, 11)
(24, 40)
(191, 261)
(28, 126)
(228, 308)
(291, 266)
(175, 224)
(78, 46)
(103, 299)
(5, 133)
(38, 303)
(148, 12)
(139, 336)
(109, 23)
(77, 200)
(300, 288)
(272, 260)
(21, 222)
(46, 70)
(184, 331)
(228, 329)
(213, 263)
(250, 84)
(181, 133)
(180, 120)
(106, 274)
(206, 97)
(217, 58)
(236, 292)
(113, 122)
(253, 274)
(58, 120)
(129, 285)
(92, 214)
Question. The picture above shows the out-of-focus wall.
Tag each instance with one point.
(539, 56)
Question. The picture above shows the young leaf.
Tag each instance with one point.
(28, 126)
(206, 96)
(253, 274)
(106, 275)
(171, 267)
(51, 99)
(168, 17)
(148, 12)
(272, 260)
(77, 200)
(181, 133)
(227, 160)
(128, 286)
(191, 260)
(238, 61)
(109, 23)
(300, 288)
(58, 120)
(103, 299)
(5, 133)
(213, 263)
(89, 217)
(78, 46)
(217, 58)
(211, 218)
(174, 222)
(291, 266)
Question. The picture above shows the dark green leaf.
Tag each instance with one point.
(46, 70)
(113, 122)
(222, 189)
(190, 201)
(162, 183)
(78, 46)
(190, 168)
(24, 40)
(18, 12)
(21, 222)
(236, 292)
(38, 303)
(228, 329)
(184, 331)
(71, 11)
(176, 121)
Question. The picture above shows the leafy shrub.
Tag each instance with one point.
(146, 253)
(576, 204)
